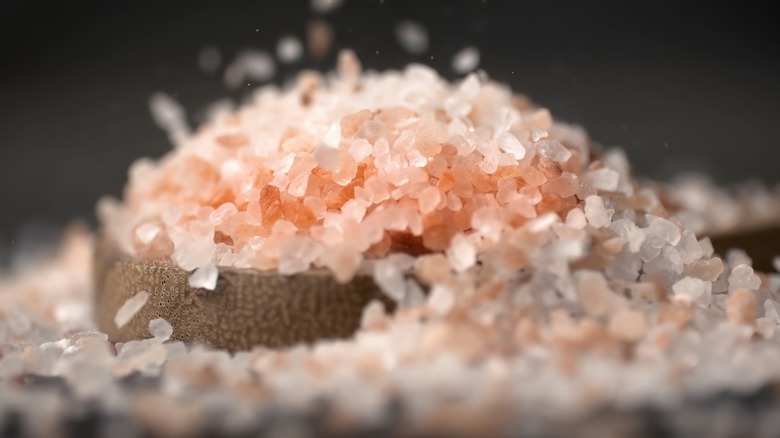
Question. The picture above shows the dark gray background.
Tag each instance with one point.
(680, 85)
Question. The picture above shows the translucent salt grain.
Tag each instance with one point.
(326, 157)
(741, 307)
(390, 278)
(772, 310)
(664, 228)
(289, 49)
(160, 329)
(441, 299)
(692, 288)
(509, 143)
(372, 313)
(461, 253)
(554, 150)
(689, 247)
(628, 325)
(466, 60)
(776, 263)
(706, 246)
(603, 179)
(596, 213)
(147, 232)
(255, 64)
(428, 199)
(204, 277)
(595, 295)
(743, 277)
(412, 36)
(130, 307)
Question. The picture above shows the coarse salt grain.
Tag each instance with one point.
(130, 308)
(466, 60)
(412, 36)
(289, 49)
(204, 277)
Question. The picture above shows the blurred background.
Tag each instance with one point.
(680, 85)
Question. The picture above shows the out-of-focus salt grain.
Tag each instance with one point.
(441, 299)
(693, 288)
(130, 308)
(461, 253)
(204, 277)
(628, 325)
(209, 59)
(554, 150)
(595, 211)
(741, 307)
(466, 60)
(160, 329)
(603, 179)
(372, 313)
(289, 49)
(743, 277)
(776, 263)
(319, 38)
(412, 36)
(325, 6)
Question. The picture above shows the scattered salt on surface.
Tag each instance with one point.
(204, 277)
(289, 49)
(466, 60)
(130, 307)
(412, 36)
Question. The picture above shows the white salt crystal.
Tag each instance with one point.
(743, 277)
(576, 219)
(441, 299)
(250, 64)
(204, 277)
(663, 228)
(130, 308)
(428, 199)
(707, 249)
(689, 247)
(373, 312)
(461, 253)
(147, 232)
(595, 295)
(538, 134)
(160, 329)
(324, 6)
(509, 143)
(776, 263)
(209, 59)
(289, 49)
(466, 60)
(389, 277)
(667, 262)
(360, 149)
(296, 254)
(192, 254)
(772, 310)
(596, 213)
(326, 157)
(412, 36)
(693, 288)
(554, 150)
(603, 179)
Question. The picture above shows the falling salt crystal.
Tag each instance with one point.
(257, 65)
(209, 59)
(390, 279)
(461, 253)
(326, 157)
(441, 299)
(169, 115)
(204, 277)
(289, 49)
(509, 143)
(693, 288)
(373, 312)
(772, 310)
(776, 263)
(466, 60)
(596, 213)
(743, 277)
(412, 36)
(130, 308)
(160, 329)
(604, 179)
(554, 150)
(324, 6)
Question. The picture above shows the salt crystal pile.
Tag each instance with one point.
(527, 278)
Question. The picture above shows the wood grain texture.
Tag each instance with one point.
(248, 307)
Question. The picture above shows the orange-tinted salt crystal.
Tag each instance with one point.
(741, 307)
(351, 123)
(532, 176)
(446, 181)
(232, 141)
(381, 248)
(549, 168)
(514, 257)
(550, 203)
(437, 238)
(158, 247)
(436, 166)
(294, 211)
(270, 205)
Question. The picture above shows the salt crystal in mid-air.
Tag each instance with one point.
(466, 60)
(412, 36)
(205, 277)
(289, 49)
(130, 308)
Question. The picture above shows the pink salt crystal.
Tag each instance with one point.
(766, 327)
(576, 219)
(296, 254)
(326, 157)
(708, 270)
(222, 213)
(129, 308)
(604, 179)
(204, 277)
(595, 295)
(554, 150)
(628, 325)
(429, 199)
(509, 143)
(360, 149)
(319, 37)
(741, 307)
(441, 299)
(372, 314)
(343, 260)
